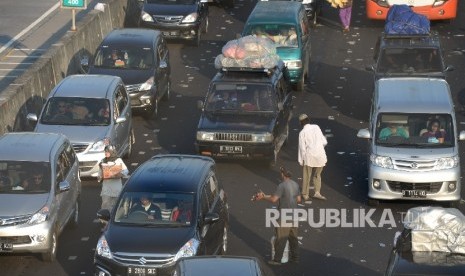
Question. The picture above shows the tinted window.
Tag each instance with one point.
(404, 60)
(121, 101)
(240, 97)
(283, 35)
(128, 57)
(24, 177)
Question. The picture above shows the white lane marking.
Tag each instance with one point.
(12, 69)
(72, 258)
(18, 36)
(23, 56)
(28, 49)
(84, 238)
(8, 76)
(16, 63)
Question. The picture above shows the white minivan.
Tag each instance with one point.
(413, 141)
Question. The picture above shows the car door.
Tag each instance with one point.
(214, 236)
(163, 69)
(284, 115)
(64, 200)
(123, 129)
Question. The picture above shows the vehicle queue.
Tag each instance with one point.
(126, 99)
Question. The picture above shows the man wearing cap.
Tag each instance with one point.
(311, 155)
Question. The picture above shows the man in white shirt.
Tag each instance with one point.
(312, 156)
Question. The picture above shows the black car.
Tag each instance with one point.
(141, 58)
(218, 265)
(181, 19)
(409, 55)
(171, 207)
(245, 114)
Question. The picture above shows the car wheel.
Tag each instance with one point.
(130, 143)
(50, 255)
(167, 95)
(373, 202)
(153, 111)
(224, 246)
(74, 222)
(205, 26)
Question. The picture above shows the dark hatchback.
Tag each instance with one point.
(177, 19)
(140, 57)
(192, 218)
(218, 265)
(245, 114)
(409, 56)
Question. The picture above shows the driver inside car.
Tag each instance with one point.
(146, 206)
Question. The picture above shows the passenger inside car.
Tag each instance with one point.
(145, 209)
(182, 212)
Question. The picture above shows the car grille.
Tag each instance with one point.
(87, 165)
(154, 260)
(432, 187)
(221, 136)
(166, 19)
(15, 239)
(414, 165)
(132, 87)
(80, 147)
(9, 221)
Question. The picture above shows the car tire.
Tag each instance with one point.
(50, 255)
(205, 26)
(74, 221)
(130, 144)
(224, 245)
(167, 95)
(373, 202)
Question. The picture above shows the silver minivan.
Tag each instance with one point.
(413, 141)
(40, 189)
(92, 111)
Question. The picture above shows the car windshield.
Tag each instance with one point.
(241, 97)
(127, 57)
(23, 177)
(415, 130)
(155, 209)
(405, 61)
(171, 2)
(281, 35)
(77, 111)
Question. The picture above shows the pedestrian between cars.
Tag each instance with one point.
(345, 14)
(111, 172)
(287, 195)
(311, 156)
(146, 206)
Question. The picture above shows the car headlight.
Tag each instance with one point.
(146, 85)
(205, 136)
(447, 163)
(103, 249)
(293, 64)
(262, 138)
(40, 216)
(146, 17)
(188, 250)
(190, 18)
(381, 161)
(99, 146)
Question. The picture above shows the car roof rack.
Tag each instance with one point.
(268, 71)
(404, 36)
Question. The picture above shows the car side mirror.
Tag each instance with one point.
(462, 135)
(163, 64)
(364, 133)
(280, 106)
(85, 64)
(64, 186)
(120, 120)
(449, 68)
(211, 218)
(103, 214)
(32, 117)
(200, 104)
(370, 68)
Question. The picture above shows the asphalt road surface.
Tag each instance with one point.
(337, 98)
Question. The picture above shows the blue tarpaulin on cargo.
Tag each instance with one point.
(401, 19)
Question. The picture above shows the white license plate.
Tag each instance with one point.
(413, 193)
(231, 149)
(141, 271)
(6, 246)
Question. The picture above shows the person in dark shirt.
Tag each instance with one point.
(145, 205)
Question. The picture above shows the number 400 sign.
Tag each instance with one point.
(74, 4)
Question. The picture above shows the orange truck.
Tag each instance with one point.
(433, 9)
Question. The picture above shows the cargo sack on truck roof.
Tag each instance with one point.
(401, 19)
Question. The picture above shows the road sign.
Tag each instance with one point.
(74, 4)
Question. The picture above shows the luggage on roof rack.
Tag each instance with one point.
(401, 19)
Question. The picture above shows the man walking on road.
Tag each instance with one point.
(288, 196)
(312, 156)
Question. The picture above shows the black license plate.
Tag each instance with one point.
(231, 149)
(141, 271)
(170, 33)
(413, 193)
(6, 246)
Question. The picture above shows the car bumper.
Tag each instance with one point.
(446, 11)
(295, 75)
(88, 163)
(435, 183)
(106, 267)
(142, 100)
(27, 238)
(184, 31)
(248, 151)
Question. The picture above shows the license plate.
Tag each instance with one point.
(6, 246)
(413, 193)
(170, 33)
(141, 271)
(231, 149)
